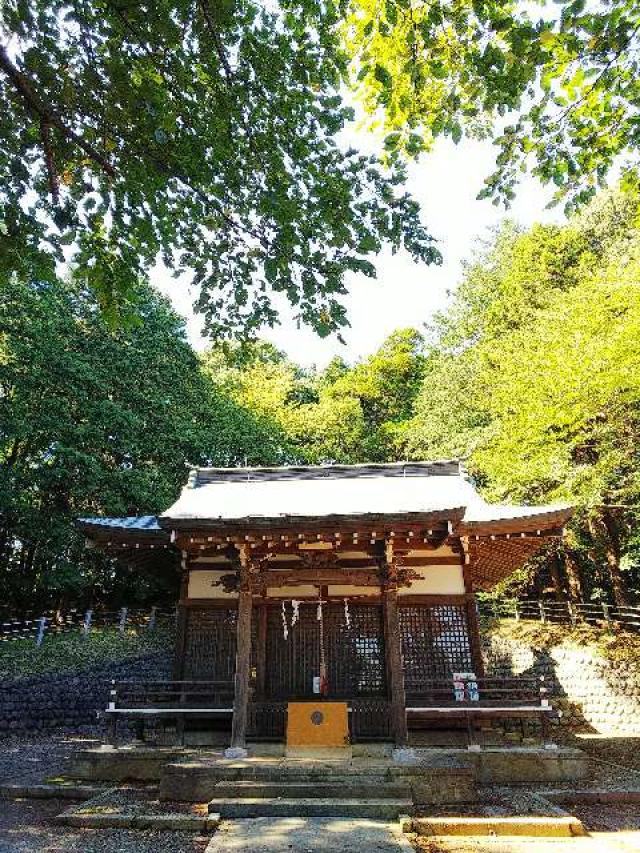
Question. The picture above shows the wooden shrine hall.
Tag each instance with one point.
(326, 584)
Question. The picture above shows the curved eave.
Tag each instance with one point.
(543, 521)
(102, 530)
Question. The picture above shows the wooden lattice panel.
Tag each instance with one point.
(435, 643)
(355, 652)
(210, 646)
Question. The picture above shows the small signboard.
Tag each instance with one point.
(465, 687)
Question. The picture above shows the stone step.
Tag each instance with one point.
(246, 807)
(330, 789)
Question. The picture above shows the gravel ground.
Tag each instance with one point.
(26, 761)
(610, 817)
(26, 826)
(134, 801)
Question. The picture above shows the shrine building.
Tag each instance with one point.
(343, 583)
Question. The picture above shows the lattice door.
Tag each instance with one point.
(210, 650)
(435, 643)
(354, 655)
(292, 663)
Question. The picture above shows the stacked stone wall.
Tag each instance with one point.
(593, 693)
(70, 700)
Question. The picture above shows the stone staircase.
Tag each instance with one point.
(300, 795)
(283, 788)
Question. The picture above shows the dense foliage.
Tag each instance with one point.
(204, 132)
(534, 376)
(555, 85)
(341, 414)
(95, 420)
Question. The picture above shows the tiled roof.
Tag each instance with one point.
(443, 467)
(243, 495)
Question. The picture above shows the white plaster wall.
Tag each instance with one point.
(436, 580)
(346, 590)
(201, 585)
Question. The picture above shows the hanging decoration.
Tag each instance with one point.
(347, 615)
(324, 681)
(285, 627)
(295, 606)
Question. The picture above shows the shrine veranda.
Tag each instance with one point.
(333, 583)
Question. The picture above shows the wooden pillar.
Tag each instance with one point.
(261, 650)
(393, 649)
(473, 626)
(243, 655)
(182, 624)
(474, 636)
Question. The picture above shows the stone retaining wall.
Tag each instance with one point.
(69, 700)
(594, 694)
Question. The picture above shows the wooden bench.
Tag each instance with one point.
(497, 698)
(143, 700)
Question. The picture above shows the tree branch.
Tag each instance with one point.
(46, 115)
(222, 56)
(45, 135)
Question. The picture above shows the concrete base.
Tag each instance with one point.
(122, 764)
(236, 752)
(536, 827)
(513, 764)
(437, 776)
(404, 755)
(319, 753)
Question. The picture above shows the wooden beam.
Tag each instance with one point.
(431, 527)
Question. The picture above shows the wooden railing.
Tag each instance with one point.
(370, 719)
(481, 699)
(490, 692)
(163, 695)
(143, 700)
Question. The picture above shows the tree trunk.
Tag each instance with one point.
(555, 571)
(574, 578)
(612, 552)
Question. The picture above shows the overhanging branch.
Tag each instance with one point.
(45, 114)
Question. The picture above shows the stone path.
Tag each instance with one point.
(308, 835)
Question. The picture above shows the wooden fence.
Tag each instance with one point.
(83, 622)
(600, 615)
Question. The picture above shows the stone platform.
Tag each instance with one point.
(366, 785)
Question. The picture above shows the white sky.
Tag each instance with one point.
(445, 182)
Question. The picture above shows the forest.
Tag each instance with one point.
(531, 376)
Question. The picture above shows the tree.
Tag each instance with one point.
(202, 132)
(342, 414)
(98, 421)
(558, 92)
(534, 378)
